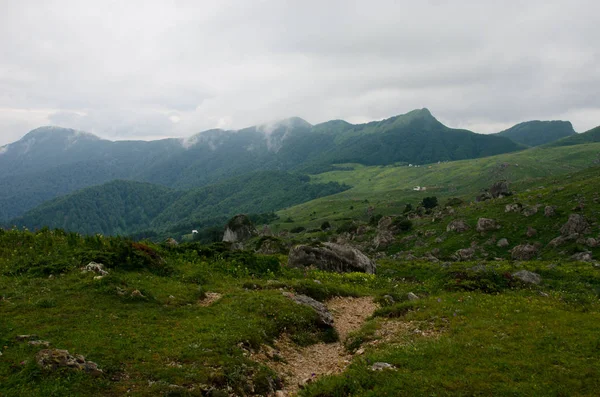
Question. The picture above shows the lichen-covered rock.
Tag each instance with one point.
(582, 257)
(465, 254)
(483, 197)
(531, 232)
(549, 211)
(239, 229)
(53, 359)
(458, 226)
(575, 224)
(486, 224)
(331, 257)
(94, 267)
(500, 189)
(516, 207)
(384, 236)
(270, 246)
(502, 243)
(524, 252)
(325, 317)
(530, 210)
(528, 277)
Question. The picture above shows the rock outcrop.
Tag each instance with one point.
(575, 224)
(500, 189)
(502, 243)
(549, 211)
(239, 229)
(458, 226)
(524, 252)
(527, 277)
(486, 225)
(53, 359)
(385, 235)
(331, 257)
(325, 317)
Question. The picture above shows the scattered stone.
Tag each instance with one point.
(524, 252)
(360, 352)
(412, 297)
(531, 232)
(53, 359)
(239, 229)
(22, 338)
(543, 294)
(582, 256)
(137, 294)
(530, 210)
(549, 211)
(325, 317)
(97, 268)
(389, 299)
(528, 277)
(500, 190)
(331, 257)
(591, 242)
(502, 243)
(458, 226)
(121, 291)
(486, 224)
(43, 343)
(379, 366)
(483, 197)
(516, 207)
(465, 254)
(575, 224)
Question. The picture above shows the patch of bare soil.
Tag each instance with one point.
(301, 365)
(211, 297)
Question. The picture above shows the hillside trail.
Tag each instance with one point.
(300, 365)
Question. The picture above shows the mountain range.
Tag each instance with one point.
(174, 182)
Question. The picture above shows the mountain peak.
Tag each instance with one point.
(53, 131)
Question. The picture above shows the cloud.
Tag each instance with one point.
(144, 69)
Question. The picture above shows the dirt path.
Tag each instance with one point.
(305, 364)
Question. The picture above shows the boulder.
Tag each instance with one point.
(575, 224)
(484, 197)
(524, 252)
(331, 257)
(384, 236)
(239, 229)
(591, 242)
(530, 210)
(500, 189)
(325, 317)
(458, 226)
(379, 366)
(270, 246)
(531, 232)
(53, 359)
(516, 207)
(412, 296)
(549, 211)
(465, 254)
(486, 224)
(502, 243)
(94, 267)
(582, 257)
(527, 277)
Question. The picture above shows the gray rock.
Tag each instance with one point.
(325, 317)
(502, 243)
(379, 366)
(483, 197)
(591, 242)
(528, 277)
(517, 207)
(549, 211)
(524, 252)
(271, 246)
(582, 257)
(486, 224)
(43, 343)
(458, 226)
(412, 297)
(500, 189)
(331, 257)
(530, 210)
(575, 224)
(389, 299)
(465, 254)
(531, 232)
(239, 229)
(94, 267)
(53, 359)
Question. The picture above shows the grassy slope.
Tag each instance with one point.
(389, 188)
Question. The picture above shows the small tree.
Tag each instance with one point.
(430, 202)
(407, 208)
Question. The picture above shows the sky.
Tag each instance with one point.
(154, 69)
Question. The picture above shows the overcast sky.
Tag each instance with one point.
(151, 69)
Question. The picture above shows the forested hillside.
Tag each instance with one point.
(536, 133)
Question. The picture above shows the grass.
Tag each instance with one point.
(388, 188)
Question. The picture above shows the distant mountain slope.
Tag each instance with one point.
(52, 161)
(536, 133)
(127, 207)
(590, 136)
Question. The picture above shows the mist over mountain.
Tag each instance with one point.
(51, 161)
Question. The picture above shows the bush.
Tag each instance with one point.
(325, 225)
(402, 224)
(408, 208)
(430, 202)
(374, 220)
(298, 229)
(347, 227)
